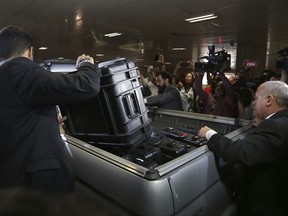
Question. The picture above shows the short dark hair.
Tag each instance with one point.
(165, 75)
(14, 41)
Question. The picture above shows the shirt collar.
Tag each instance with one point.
(269, 116)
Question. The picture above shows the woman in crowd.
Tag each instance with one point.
(189, 99)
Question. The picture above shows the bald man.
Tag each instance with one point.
(263, 153)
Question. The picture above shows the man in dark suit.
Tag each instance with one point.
(168, 95)
(31, 149)
(263, 153)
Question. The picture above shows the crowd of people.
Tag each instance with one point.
(228, 96)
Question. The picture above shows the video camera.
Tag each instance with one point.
(282, 63)
(215, 62)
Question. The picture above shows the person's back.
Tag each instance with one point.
(31, 149)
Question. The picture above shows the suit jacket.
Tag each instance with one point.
(170, 99)
(31, 149)
(264, 154)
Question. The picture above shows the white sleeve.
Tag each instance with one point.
(209, 134)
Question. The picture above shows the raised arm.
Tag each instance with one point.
(199, 89)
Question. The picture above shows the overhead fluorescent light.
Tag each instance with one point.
(114, 34)
(201, 18)
(178, 48)
(43, 48)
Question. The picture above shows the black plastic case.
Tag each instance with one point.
(118, 115)
(146, 155)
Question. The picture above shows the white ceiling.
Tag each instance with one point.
(157, 24)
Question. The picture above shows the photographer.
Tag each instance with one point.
(221, 101)
(180, 71)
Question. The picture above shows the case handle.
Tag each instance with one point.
(132, 106)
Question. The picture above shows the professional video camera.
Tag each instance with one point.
(215, 62)
(282, 63)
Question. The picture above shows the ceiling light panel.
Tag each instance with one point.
(201, 18)
(114, 34)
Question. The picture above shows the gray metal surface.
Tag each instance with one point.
(162, 118)
(186, 185)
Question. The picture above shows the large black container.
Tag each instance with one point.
(118, 115)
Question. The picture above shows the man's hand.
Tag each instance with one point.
(179, 85)
(84, 58)
(62, 119)
(202, 132)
